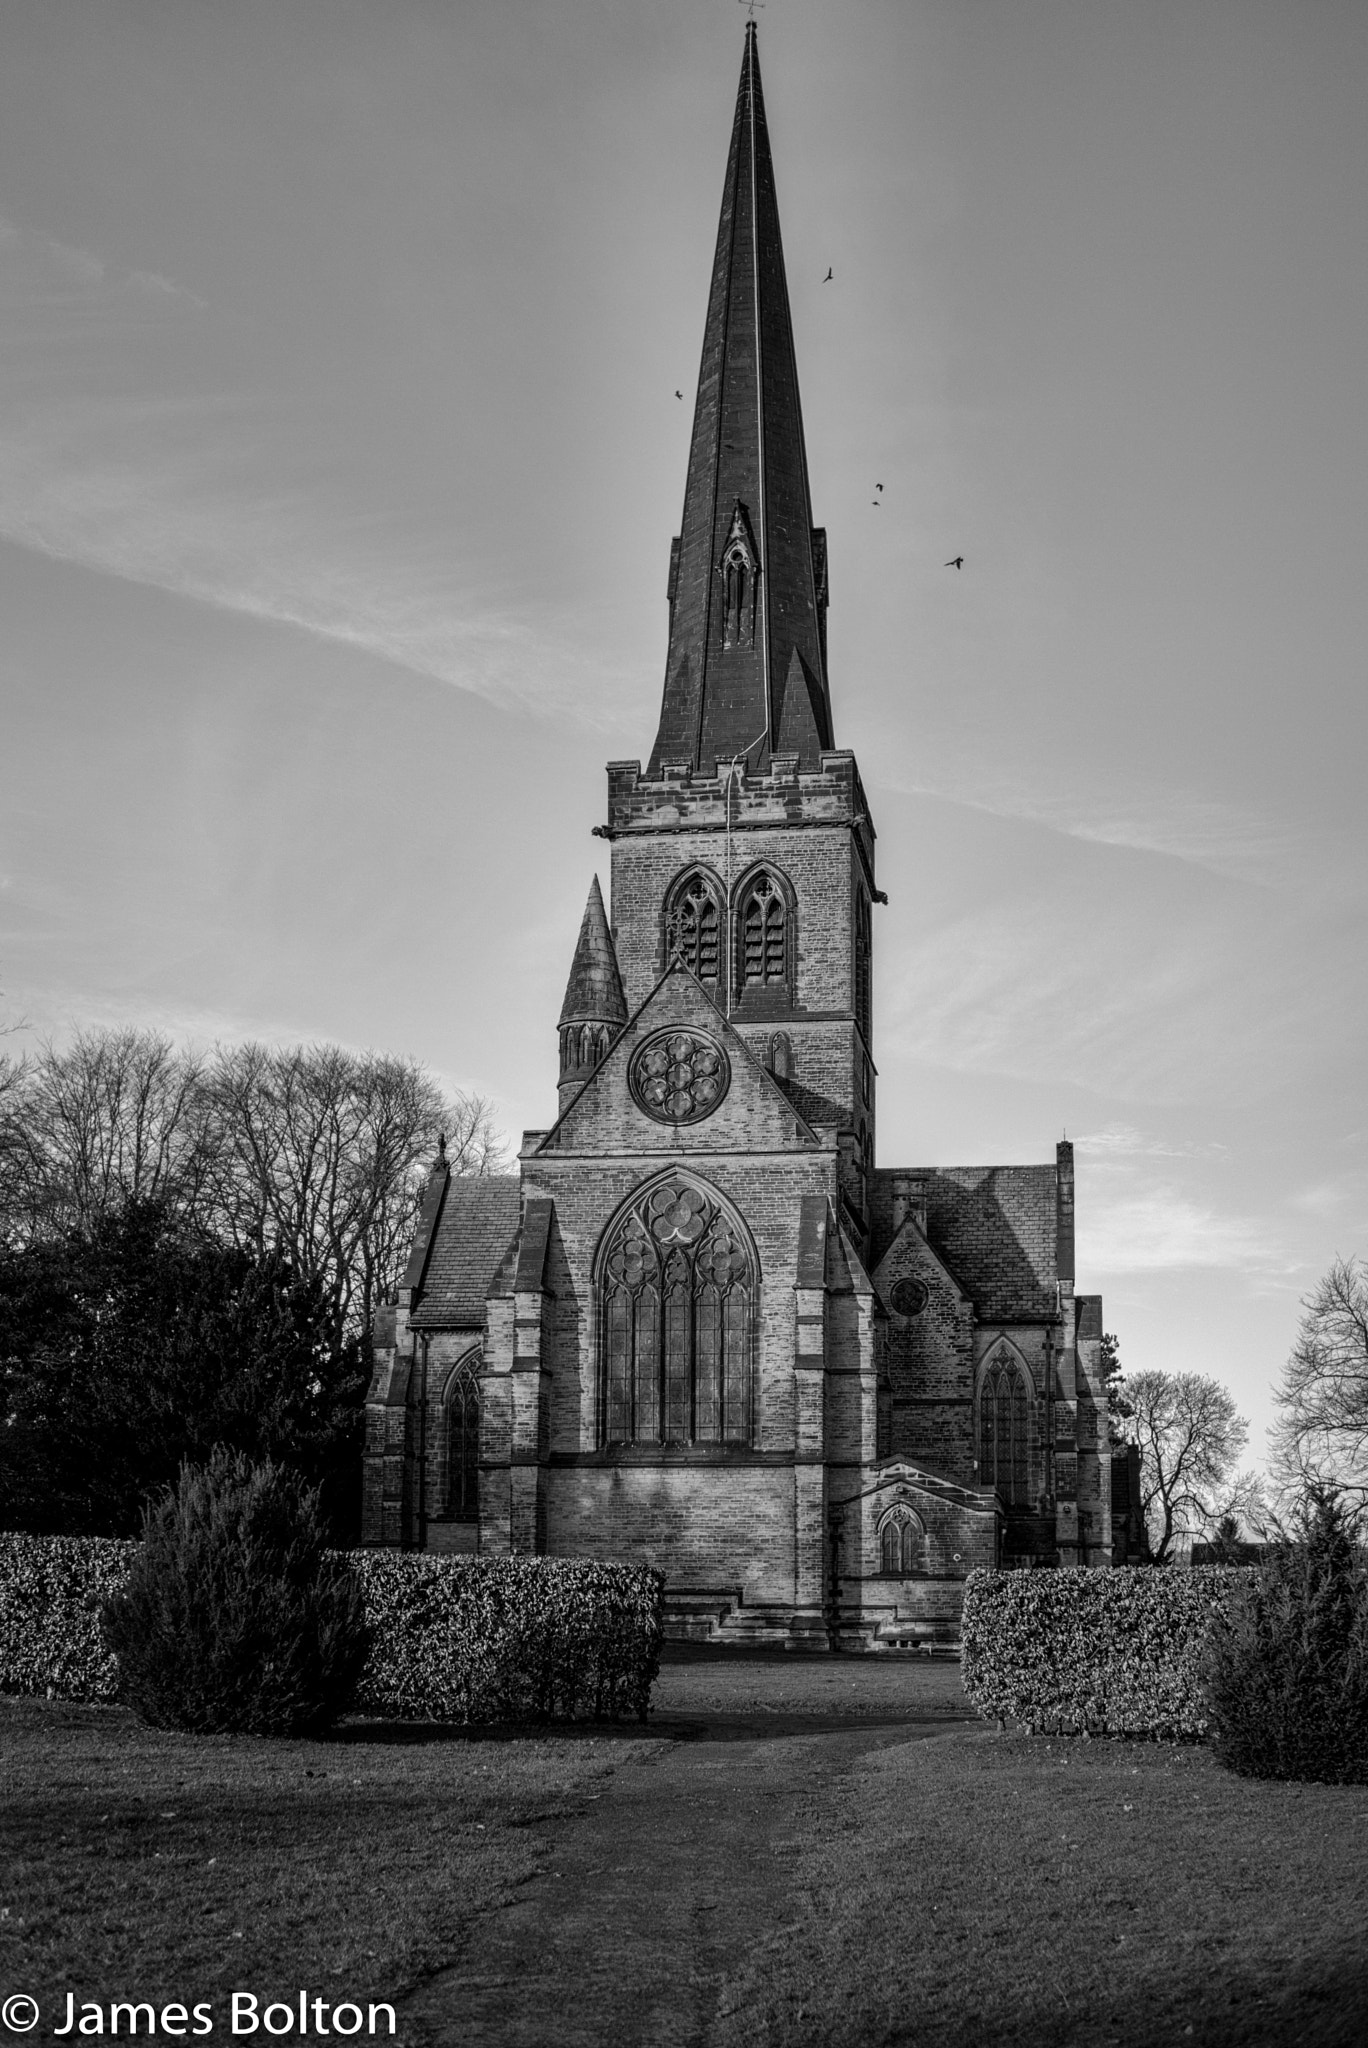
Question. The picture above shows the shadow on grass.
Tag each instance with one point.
(762, 1727)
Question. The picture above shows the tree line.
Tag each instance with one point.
(192, 1249)
(1190, 1435)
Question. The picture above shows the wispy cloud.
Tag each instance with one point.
(1161, 1229)
(188, 516)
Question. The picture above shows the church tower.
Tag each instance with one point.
(746, 851)
(699, 1328)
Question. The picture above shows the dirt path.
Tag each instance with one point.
(652, 1894)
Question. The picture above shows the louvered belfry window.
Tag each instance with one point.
(764, 934)
(692, 927)
(1004, 1426)
(677, 1303)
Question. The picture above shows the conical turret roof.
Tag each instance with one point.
(593, 993)
(746, 669)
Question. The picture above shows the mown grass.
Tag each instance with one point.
(138, 1864)
(975, 1888)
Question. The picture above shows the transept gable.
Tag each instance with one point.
(912, 1265)
(679, 1079)
(898, 1479)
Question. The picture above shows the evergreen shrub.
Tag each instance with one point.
(1286, 1669)
(510, 1638)
(235, 1616)
(1094, 1652)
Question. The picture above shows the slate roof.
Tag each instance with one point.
(994, 1227)
(478, 1222)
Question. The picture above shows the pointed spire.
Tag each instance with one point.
(594, 991)
(746, 670)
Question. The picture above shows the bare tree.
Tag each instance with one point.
(1320, 1440)
(1190, 1439)
(114, 1117)
(321, 1153)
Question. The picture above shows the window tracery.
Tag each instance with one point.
(693, 923)
(677, 1304)
(900, 1543)
(1004, 1430)
(763, 926)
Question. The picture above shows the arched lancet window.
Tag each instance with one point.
(693, 922)
(763, 936)
(1004, 1430)
(460, 1493)
(676, 1314)
(900, 1543)
(781, 1056)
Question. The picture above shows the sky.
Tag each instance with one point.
(339, 461)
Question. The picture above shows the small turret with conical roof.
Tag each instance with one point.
(595, 1009)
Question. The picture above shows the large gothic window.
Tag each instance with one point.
(693, 925)
(460, 1487)
(1004, 1430)
(764, 934)
(676, 1310)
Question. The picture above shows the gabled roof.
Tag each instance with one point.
(476, 1225)
(603, 1116)
(759, 687)
(993, 1227)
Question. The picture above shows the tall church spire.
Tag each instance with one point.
(746, 668)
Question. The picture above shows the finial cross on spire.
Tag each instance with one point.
(750, 7)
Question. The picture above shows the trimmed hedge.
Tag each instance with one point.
(1094, 1652)
(455, 1639)
(509, 1638)
(52, 1589)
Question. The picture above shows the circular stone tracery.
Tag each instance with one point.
(908, 1297)
(679, 1077)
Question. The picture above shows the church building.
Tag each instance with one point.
(701, 1328)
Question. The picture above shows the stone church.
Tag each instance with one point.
(701, 1328)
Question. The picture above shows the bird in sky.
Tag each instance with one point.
(679, 394)
(955, 562)
(875, 503)
(878, 487)
(828, 278)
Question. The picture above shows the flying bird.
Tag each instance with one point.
(827, 279)
(679, 394)
(955, 562)
(878, 487)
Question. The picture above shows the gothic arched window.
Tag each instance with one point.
(1004, 1430)
(693, 923)
(676, 1312)
(739, 566)
(764, 948)
(900, 1538)
(460, 1488)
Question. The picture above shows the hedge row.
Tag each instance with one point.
(509, 1638)
(1097, 1653)
(455, 1639)
(51, 1591)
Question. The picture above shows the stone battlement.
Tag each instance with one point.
(678, 799)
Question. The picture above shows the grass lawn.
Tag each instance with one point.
(900, 1884)
(982, 1888)
(136, 1864)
